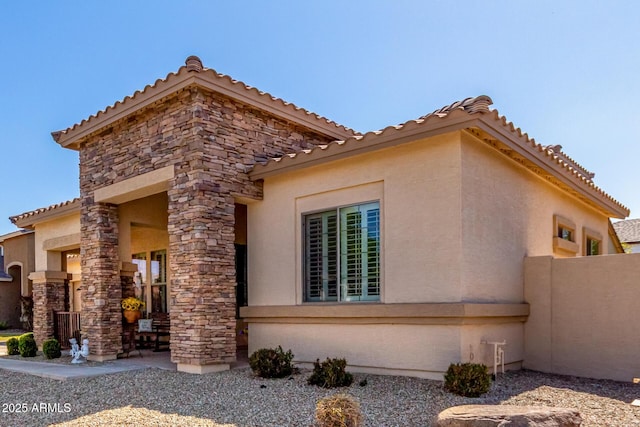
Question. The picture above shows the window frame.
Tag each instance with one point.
(341, 288)
(588, 235)
(561, 244)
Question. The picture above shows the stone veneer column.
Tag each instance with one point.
(127, 271)
(102, 285)
(48, 297)
(202, 262)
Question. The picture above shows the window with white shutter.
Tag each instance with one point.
(342, 254)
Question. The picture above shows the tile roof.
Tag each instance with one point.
(478, 104)
(69, 204)
(628, 231)
(470, 113)
(220, 82)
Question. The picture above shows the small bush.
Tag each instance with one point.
(330, 374)
(12, 346)
(271, 363)
(339, 410)
(51, 348)
(467, 379)
(27, 345)
(3, 325)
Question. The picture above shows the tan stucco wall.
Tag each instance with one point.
(458, 218)
(508, 214)
(65, 230)
(19, 251)
(584, 316)
(407, 181)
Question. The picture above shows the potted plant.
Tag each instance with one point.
(132, 307)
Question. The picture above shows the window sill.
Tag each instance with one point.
(565, 246)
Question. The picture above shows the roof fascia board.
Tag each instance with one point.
(531, 153)
(354, 147)
(48, 215)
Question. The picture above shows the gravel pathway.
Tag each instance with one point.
(155, 397)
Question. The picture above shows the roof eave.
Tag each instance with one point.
(30, 220)
(494, 125)
(209, 80)
(14, 234)
(411, 131)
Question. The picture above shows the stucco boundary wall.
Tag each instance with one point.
(584, 316)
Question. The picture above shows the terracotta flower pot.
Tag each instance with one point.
(132, 316)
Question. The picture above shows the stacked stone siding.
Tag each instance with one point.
(211, 140)
(101, 283)
(48, 297)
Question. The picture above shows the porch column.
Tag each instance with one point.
(48, 297)
(101, 282)
(202, 263)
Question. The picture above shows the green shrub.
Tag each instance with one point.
(339, 410)
(467, 379)
(271, 363)
(27, 345)
(330, 374)
(51, 348)
(3, 325)
(12, 346)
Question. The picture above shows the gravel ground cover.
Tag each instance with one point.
(155, 397)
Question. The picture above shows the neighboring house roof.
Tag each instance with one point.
(28, 219)
(13, 234)
(193, 73)
(628, 230)
(615, 239)
(474, 116)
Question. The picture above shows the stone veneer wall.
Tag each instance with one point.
(211, 140)
(101, 283)
(48, 297)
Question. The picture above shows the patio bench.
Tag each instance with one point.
(158, 328)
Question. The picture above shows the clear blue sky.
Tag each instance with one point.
(566, 72)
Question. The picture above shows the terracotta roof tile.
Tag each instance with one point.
(193, 64)
(39, 211)
(464, 111)
(479, 104)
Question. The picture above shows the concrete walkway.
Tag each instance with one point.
(59, 371)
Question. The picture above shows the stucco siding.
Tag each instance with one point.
(418, 186)
(48, 231)
(402, 349)
(507, 214)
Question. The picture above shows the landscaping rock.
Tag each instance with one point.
(508, 415)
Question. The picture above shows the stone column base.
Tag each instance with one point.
(203, 369)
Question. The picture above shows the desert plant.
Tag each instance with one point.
(330, 373)
(27, 345)
(271, 363)
(51, 348)
(339, 410)
(467, 379)
(3, 325)
(12, 346)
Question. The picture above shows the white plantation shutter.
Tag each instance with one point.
(357, 228)
(320, 257)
